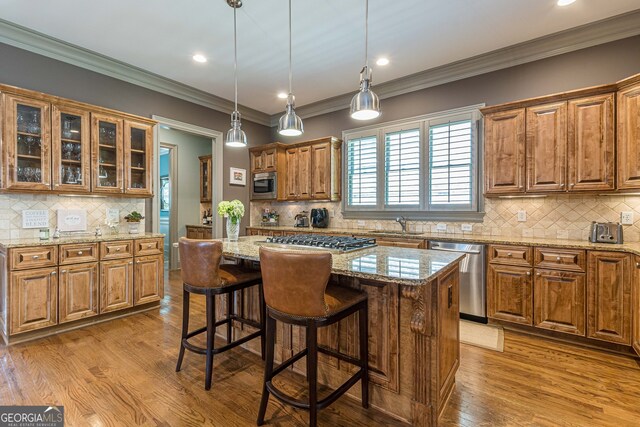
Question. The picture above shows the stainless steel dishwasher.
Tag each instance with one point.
(473, 290)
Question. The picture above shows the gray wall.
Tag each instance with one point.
(32, 71)
(593, 66)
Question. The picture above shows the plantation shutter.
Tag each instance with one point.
(362, 171)
(402, 167)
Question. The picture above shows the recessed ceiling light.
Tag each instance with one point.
(565, 2)
(283, 95)
(382, 61)
(199, 58)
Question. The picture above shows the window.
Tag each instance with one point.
(422, 168)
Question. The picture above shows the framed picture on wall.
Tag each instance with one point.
(237, 176)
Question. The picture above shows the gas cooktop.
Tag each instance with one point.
(339, 244)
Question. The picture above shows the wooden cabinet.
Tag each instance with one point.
(107, 151)
(635, 307)
(138, 158)
(559, 301)
(448, 331)
(199, 232)
(116, 249)
(546, 145)
(591, 143)
(609, 296)
(298, 176)
(320, 164)
(560, 259)
(71, 149)
(510, 255)
(34, 299)
(26, 147)
(116, 285)
(628, 126)
(148, 279)
(509, 293)
(263, 160)
(33, 257)
(78, 253)
(402, 243)
(205, 179)
(504, 157)
(78, 291)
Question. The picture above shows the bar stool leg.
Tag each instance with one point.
(263, 322)
(269, 326)
(312, 376)
(211, 333)
(230, 298)
(363, 332)
(185, 326)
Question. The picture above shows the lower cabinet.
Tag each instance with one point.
(148, 279)
(509, 293)
(34, 299)
(559, 301)
(200, 233)
(635, 327)
(116, 285)
(78, 291)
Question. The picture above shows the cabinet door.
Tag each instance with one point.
(509, 294)
(291, 178)
(138, 158)
(205, 179)
(27, 143)
(71, 149)
(321, 171)
(116, 285)
(34, 299)
(628, 126)
(78, 291)
(106, 154)
(559, 301)
(547, 147)
(148, 279)
(256, 162)
(448, 331)
(591, 143)
(635, 309)
(304, 172)
(269, 160)
(609, 297)
(504, 159)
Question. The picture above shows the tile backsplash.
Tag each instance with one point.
(12, 205)
(562, 217)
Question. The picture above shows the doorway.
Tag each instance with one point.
(168, 190)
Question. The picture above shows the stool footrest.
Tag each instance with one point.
(290, 361)
(339, 356)
(202, 350)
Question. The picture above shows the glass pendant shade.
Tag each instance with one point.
(365, 105)
(290, 124)
(236, 136)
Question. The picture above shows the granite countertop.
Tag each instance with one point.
(633, 247)
(209, 226)
(412, 267)
(16, 243)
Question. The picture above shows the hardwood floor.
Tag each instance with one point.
(121, 373)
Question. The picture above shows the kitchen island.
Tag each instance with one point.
(413, 326)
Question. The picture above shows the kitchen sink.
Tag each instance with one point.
(395, 233)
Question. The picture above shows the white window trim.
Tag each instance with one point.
(423, 210)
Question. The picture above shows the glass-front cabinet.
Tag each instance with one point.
(107, 153)
(71, 149)
(205, 179)
(138, 157)
(27, 148)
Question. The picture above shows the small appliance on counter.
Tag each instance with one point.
(302, 219)
(320, 218)
(605, 232)
(270, 218)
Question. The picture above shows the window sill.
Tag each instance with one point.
(446, 216)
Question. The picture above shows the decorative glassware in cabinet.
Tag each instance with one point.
(138, 146)
(107, 150)
(71, 149)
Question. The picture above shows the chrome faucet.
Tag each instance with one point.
(403, 223)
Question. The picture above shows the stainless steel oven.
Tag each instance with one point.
(264, 186)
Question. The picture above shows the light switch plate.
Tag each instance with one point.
(441, 227)
(626, 218)
(361, 223)
(522, 216)
(466, 227)
(175, 244)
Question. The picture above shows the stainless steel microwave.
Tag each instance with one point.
(264, 186)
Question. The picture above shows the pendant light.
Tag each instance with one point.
(290, 124)
(235, 136)
(365, 105)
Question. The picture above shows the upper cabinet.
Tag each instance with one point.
(546, 147)
(263, 160)
(504, 152)
(56, 145)
(629, 133)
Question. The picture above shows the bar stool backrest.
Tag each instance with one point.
(200, 262)
(294, 282)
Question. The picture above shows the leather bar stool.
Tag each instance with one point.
(202, 274)
(297, 291)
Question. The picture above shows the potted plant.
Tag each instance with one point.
(233, 211)
(133, 219)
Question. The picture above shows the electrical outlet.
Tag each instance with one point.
(626, 218)
(522, 216)
(466, 227)
(441, 227)
(361, 223)
(175, 245)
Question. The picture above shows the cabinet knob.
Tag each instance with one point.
(521, 187)
(130, 262)
(509, 254)
(558, 259)
(63, 271)
(637, 264)
(53, 273)
(118, 249)
(572, 185)
(562, 185)
(528, 273)
(150, 245)
(79, 252)
(537, 274)
(35, 257)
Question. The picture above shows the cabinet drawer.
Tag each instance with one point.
(34, 257)
(116, 249)
(408, 243)
(560, 259)
(510, 255)
(77, 253)
(148, 247)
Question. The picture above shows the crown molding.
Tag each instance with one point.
(599, 32)
(33, 41)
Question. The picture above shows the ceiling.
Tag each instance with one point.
(161, 36)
